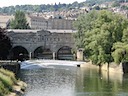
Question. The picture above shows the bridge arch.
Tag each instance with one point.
(42, 53)
(65, 53)
(17, 51)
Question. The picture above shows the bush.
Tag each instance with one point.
(6, 81)
(9, 74)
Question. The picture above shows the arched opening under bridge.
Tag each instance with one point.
(19, 51)
(43, 53)
(65, 53)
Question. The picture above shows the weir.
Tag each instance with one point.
(31, 64)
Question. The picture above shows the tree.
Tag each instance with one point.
(116, 4)
(120, 53)
(20, 21)
(98, 31)
(96, 8)
(5, 44)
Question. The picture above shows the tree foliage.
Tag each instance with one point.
(55, 7)
(93, 2)
(120, 53)
(98, 31)
(41, 8)
(20, 21)
(5, 44)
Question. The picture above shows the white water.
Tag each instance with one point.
(34, 64)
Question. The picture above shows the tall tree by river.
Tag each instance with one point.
(20, 21)
(5, 44)
(98, 33)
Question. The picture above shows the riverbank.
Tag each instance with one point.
(111, 68)
(9, 85)
(13, 66)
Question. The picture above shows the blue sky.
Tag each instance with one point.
(5, 3)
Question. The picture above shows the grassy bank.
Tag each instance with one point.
(7, 83)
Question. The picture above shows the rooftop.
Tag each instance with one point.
(5, 18)
(35, 31)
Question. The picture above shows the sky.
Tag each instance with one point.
(5, 3)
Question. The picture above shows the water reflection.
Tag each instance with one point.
(72, 81)
(95, 83)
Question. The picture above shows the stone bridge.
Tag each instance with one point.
(45, 44)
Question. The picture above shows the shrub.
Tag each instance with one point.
(3, 90)
(9, 74)
(6, 81)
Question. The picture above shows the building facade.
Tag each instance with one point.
(63, 24)
(5, 20)
(39, 23)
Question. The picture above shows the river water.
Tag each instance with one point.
(73, 81)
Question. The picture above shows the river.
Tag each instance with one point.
(73, 81)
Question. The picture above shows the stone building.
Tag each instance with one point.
(42, 44)
(36, 22)
(63, 24)
(5, 20)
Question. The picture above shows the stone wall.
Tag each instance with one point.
(112, 67)
(31, 40)
(12, 66)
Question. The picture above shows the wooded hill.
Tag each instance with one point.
(40, 8)
(54, 7)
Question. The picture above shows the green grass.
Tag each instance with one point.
(3, 90)
(7, 80)
(9, 74)
(6, 72)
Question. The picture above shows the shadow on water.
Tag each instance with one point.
(73, 81)
(95, 83)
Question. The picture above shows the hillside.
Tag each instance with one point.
(55, 7)
(103, 1)
(40, 8)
